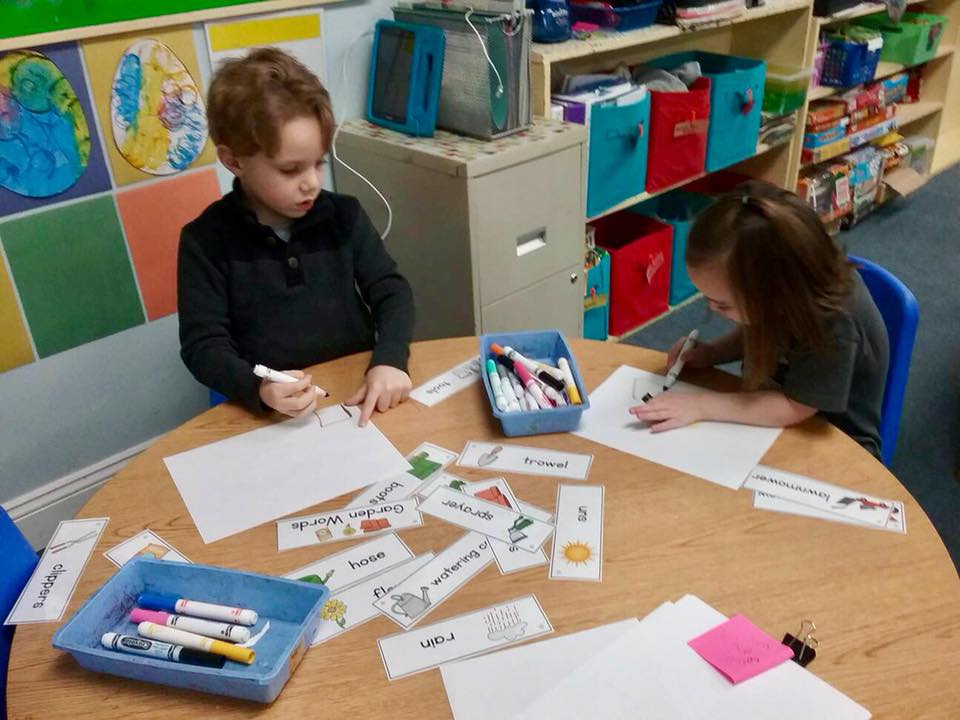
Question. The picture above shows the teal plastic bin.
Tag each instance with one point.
(596, 301)
(736, 98)
(618, 154)
(546, 346)
(678, 209)
(291, 607)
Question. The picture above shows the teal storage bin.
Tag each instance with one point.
(736, 98)
(546, 346)
(678, 209)
(291, 607)
(596, 319)
(617, 165)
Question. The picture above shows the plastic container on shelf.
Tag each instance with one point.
(851, 57)
(785, 89)
(913, 40)
(622, 18)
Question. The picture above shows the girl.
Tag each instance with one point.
(810, 337)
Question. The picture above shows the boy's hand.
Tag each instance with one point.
(670, 410)
(384, 387)
(293, 399)
(701, 355)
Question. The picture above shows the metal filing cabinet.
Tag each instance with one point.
(489, 233)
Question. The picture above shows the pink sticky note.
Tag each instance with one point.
(739, 649)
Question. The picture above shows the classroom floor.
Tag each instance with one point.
(916, 239)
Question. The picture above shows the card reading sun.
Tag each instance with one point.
(578, 538)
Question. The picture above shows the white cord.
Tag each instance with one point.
(336, 133)
(483, 46)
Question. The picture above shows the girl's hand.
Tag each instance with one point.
(668, 411)
(384, 387)
(701, 355)
(293, 399)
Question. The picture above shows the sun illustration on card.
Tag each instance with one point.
(578, 552)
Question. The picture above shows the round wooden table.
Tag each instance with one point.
(887, 606)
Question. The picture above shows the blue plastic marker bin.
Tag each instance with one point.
(618, 154)
(544, 346)
(678, 209)
(736, 98)
(596, 320)
(632, 17)
(848, 63)
(291, 607)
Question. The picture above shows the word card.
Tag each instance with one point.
(851, 504)
(490, 518)
(352, 607)
(578, 543)
(146, 543)
(442, 386)
(463, 636)
(343, 569)
(346, 524)
(897, 522)
(527, 460)
(509, 557)
(415, 597)
(425, 462)
(49, 589)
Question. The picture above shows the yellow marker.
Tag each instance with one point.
(568, 379)
(196, 642)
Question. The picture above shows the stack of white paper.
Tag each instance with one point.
(632, 669)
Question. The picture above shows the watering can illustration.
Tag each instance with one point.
(410, 605)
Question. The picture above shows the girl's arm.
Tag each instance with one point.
(769, 408)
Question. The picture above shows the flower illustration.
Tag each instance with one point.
(334, 610)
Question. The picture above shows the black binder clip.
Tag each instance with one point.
(804, 644)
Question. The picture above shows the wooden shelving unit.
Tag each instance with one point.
(783, 32)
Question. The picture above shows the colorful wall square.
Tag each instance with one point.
(37, 138)
(103, 58)
(153, 215)
(15, 347)
(73, 274)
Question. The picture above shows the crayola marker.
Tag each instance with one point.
(174, 604)
(162, 650)
(196, 642)
(208, 628)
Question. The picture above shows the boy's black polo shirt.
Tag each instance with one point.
(247, 297)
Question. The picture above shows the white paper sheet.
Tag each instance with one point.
(521, 674)
(653, 668)
(723, 453)
(49, 589)
(243, 481)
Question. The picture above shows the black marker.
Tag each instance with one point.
(160, 650)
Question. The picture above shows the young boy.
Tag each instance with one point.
(278, 272)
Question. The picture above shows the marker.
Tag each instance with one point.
(519, 391)
(162, 650)
(572, 391)
(531, 385)
(552, 394)
(174, 604)
(678, 365)
(278, 377)
(498, 395)
(531, 401)
(513, 404)
(550, 380)
(196, 642)
(218, 630)
(516, 357)
(550, 370)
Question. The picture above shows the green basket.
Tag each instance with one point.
(912, 41)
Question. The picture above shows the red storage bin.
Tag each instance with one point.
(639, 249)
(678, 135)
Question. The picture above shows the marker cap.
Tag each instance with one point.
(158, 601)
(204, 659)
(138, 615)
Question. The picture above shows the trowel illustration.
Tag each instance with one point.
(490, 456)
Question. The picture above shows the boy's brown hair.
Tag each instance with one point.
(252, 97)
(786, 273)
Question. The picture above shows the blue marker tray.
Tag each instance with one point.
(545, 346)
(292, 608)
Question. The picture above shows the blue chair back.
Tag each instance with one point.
(900, 313)
(17, 561)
